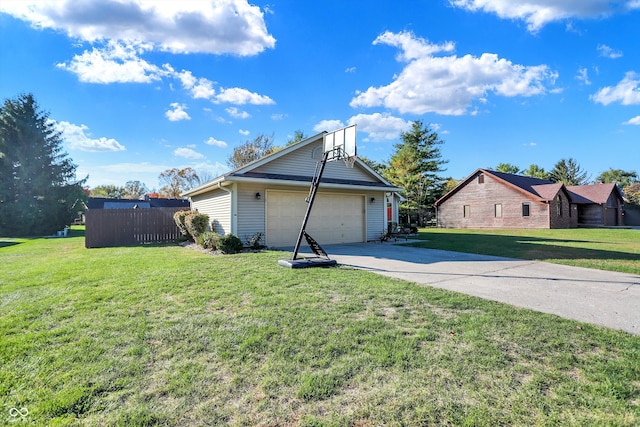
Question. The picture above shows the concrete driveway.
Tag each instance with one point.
(594, 296)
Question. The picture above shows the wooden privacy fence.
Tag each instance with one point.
(122, 227)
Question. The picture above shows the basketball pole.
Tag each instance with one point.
(315, 183)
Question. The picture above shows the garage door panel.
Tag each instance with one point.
(335, 218)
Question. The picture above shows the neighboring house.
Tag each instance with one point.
(598, 204)
(268, 196)
(107, 203)
(490, 199)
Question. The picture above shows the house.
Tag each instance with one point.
(107, 203)
(598, 204)
(490, 199)
(268, 196)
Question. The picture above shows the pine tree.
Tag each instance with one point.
(38, 190)
(414, 167)
(568, 172)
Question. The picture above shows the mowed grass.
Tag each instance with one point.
(163, 335)
(599, 248)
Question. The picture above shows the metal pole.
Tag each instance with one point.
(315, 182)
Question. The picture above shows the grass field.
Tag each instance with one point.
(163, 335)
(600, 248)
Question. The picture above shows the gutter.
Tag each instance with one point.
(308, 183)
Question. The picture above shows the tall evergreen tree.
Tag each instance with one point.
(38, 189)
(414, 167)
(568, 172)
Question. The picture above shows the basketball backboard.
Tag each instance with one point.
(341, 143)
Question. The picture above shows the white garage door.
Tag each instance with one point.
(335, 218)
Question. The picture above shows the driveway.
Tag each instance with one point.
(593, 296)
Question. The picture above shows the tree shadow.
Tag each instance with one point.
(6, 243)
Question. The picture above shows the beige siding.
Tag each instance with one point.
(302, 162)
(376, 219)
(251, 220)
(217, 204)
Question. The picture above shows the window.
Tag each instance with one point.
(525, 209)
(559, 201)
(481, 179)
(467, 211)
(498, 210)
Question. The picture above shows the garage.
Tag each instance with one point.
(335, 218)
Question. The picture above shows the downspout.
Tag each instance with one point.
(233, 208)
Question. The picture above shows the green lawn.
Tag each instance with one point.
(604, 249)
(163, 335)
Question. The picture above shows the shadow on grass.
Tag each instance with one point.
(524, 247)
(5, 243)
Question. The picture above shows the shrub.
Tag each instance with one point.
(196, 223)
(229, 244)
(209, 240)
(179, 218)
(254, 241)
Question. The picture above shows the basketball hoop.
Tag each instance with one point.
(349, 161)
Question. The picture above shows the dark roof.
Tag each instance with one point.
(107, 203)
(544, 190)
(303, 178)
(536, 188)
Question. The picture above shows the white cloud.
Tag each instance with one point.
(609, 52)
(77, 138)
(449, 84)
(583, 76)
(328, 126)
(633, 4)
(187, 153)
(538, 13)
(244, 132)
(627, 91)
(380, 126)
(633, 121)
(113, 63)
(218, 27)
(238, 114)
(177, 113)
(239, 96)
(199, 87)
(216, 143)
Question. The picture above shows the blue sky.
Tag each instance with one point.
(138, 87)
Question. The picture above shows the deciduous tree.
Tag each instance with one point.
(176, 181)
(507, 168)
(134, 190)
(250, 151)
(618, 176)
(632, 193)
(38, 188)
(107, 191)
(536, 171)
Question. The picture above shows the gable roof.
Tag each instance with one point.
(248, 173)
(540, 190)
(593, 193)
